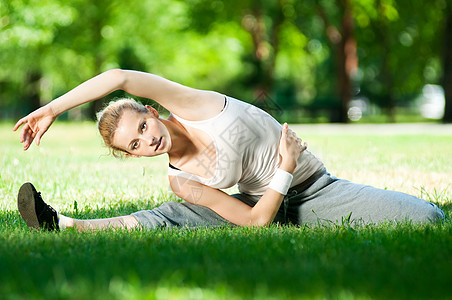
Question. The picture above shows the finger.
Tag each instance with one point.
(23, 132)
(292, 133)
(26, 144)
(18, 124)
(289, 134)
(29, 138)
(38, 136)
(29, 143)
(285, 128)
(26, 139)
(32, 137)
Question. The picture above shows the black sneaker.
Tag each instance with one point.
(35, 212)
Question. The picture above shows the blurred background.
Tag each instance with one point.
(302, 61)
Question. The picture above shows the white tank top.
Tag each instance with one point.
(246, 141)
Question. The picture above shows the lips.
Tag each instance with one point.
(159, 143)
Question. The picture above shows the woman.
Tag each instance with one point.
(214, 142)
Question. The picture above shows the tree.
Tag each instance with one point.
(303, 54)
(343, 42)
(47, 48)
(262, 20)
(447, 63)
(28, 29)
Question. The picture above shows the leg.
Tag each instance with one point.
(169, 214)
(334, 199)
(175, 214)
(126, 222)
(39, 215)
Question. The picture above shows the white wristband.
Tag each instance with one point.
(281, 181)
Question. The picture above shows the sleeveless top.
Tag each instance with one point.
(246, 141)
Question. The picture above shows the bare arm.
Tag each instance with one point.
(188, 103)
(233, 209)
(90, 90)
(38, 122)
(173, 96)
(184, 101)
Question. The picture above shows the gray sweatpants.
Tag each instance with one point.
(319, 200)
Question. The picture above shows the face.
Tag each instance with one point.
(140, 134)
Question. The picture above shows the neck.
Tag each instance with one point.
(182, 144)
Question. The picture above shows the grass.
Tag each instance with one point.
(74, 173)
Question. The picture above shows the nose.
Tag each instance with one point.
(151, 141)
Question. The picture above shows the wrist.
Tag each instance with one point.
(281, 181)
(53, 109)
(288, 166)
(56, 107)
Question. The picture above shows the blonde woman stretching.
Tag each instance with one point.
(214, 142)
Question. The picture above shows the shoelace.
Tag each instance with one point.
(47, 209)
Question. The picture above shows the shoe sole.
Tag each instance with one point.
(26, 205)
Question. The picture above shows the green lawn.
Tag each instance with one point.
(75, 174)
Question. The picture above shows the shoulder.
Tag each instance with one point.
(188, 103)
(200, 105)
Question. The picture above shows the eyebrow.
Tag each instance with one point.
(138, 130)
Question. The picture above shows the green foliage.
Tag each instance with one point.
(408, 53)
(236, 47)
(84, 38)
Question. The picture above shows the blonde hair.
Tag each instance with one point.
(109, 117)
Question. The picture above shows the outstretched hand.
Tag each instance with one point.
(36, 124)
(290, 148)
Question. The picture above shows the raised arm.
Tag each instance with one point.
(179, 99)
(186, 102)
(39, 121)
(233, 209)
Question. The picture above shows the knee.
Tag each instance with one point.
(432, 214)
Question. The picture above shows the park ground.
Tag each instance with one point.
(77, 176)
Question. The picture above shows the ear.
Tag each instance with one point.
(152, 111)
(131, 155)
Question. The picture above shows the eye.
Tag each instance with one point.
(143, 126)
(135, 145)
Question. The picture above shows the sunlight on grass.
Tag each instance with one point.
(74, 173)
(72, 165)
(415, 161)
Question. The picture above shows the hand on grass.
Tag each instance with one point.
(36, 124)
(290, 148)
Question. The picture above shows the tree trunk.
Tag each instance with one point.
(343, 46)
(348, 60)
(447, 66)
(383, 32)
(266, 46)
(254, 24)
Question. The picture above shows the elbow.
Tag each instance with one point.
(262, 223)
(118, 76)
(259, 221)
